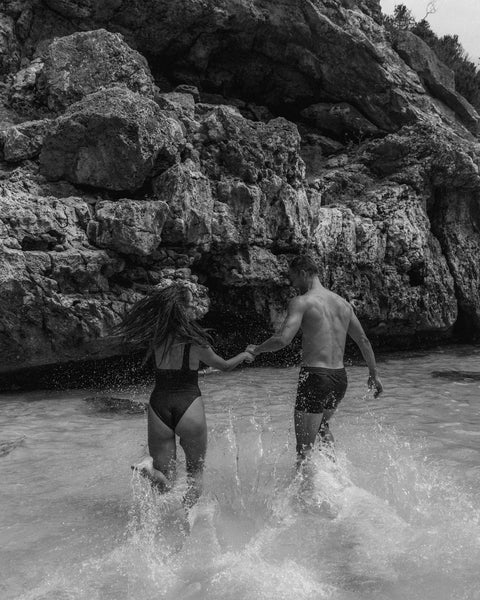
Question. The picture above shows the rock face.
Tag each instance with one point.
(112, 139)
(438, 78)
(128, 226)
(276, 128)
(72, 67)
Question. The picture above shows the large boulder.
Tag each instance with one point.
(187, 194)
(113, 139)
(71, 67)
(84, 62)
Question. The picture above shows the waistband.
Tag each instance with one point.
(323, 370)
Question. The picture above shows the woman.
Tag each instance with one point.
(165, 322)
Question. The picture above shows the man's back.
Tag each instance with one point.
(325, 323)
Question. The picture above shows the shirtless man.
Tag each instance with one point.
(325, 319)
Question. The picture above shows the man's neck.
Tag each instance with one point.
(312, 283)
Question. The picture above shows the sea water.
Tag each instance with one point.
(395, 514)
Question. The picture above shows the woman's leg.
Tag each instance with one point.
(162, 449)
(192, 429)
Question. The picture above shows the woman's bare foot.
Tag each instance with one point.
(156, 477)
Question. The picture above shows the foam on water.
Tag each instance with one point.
(390, 527)
(387, 519)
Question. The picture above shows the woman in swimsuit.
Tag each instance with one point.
(165, 321)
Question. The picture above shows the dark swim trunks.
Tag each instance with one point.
(320, 389)
(174, 392)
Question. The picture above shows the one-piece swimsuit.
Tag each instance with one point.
(174, 391)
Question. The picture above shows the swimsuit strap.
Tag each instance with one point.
(186, 358)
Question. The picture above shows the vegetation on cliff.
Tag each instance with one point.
(448, 49)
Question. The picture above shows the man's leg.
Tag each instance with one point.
(306, 429)
(324, 432)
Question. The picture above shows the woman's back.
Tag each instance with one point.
(179, 356)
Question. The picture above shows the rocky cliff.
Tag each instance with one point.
(207, 140)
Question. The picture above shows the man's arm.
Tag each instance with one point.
(356, 332)
(287, 331)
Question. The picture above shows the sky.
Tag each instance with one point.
(452, 16)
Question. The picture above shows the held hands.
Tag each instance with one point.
(249, 358)
(375, 385)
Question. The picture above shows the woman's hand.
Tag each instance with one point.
(249, 357)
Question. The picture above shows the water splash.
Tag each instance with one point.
(380, 522)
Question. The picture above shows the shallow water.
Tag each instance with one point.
(397, 516)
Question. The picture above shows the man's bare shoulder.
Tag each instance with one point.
(297, 302)
(340, 300)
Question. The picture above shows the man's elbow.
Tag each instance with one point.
(364, 342)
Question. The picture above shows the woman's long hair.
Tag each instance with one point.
(161, 318)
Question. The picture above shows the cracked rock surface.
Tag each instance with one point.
(255, 131)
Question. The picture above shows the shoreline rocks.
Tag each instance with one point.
(251, 135)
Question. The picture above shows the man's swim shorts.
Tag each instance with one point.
(320, 389)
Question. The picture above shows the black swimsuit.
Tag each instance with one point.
(174, 391)
(320, 389)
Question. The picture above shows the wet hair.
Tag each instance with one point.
(161, 318)
(304, 262)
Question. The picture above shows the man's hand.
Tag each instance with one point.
(375, 384)
(250, 348)
(249, 357)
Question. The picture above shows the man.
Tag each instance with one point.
(325, 319)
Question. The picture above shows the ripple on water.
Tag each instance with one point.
(396, 516)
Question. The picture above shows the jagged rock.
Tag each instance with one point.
(9, 46)
(455, 217)
(128, 226)
(188, 89)
(74, 66)
(53, 287)
(113, 139)
(187, 194)
(24, 140)
(422, 59)
(82, 63)
(392, 221)
(280, 54)
(242, 148)
(438, 78)
(256, 266)
(182, 107)
(339, 120)
(23, 93)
